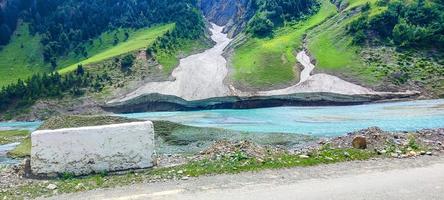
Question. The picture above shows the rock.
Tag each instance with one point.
(372, 131)
(423, 153)
(185, 178)
(51, 187)
(27, 167)
(429, 153)
(304, 156)
(117, 151)
(412, 154)
(382, 152)
(79, 186)
(180, 172)
(360, 142)
(346, 154)
(329, 159)
(394, 155)
(322, 142)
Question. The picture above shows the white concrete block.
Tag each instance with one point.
(94, 149)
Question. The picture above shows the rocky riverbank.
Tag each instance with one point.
(236, 156)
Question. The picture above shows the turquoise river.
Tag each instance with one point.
(318, 121)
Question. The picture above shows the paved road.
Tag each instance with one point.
(414, 179)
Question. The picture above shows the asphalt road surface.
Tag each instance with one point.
(415, 179)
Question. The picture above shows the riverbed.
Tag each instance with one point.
(4, 159)
(317, 121)
(326, 121)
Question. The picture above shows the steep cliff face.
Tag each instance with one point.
(233, 14)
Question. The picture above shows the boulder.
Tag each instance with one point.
(51, 187)
(95, 149)
(359, 142)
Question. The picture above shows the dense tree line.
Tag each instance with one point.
(273, 13)
(26, 93)
(172, 40)
(65, 24)
(418, 23)
(9, 14)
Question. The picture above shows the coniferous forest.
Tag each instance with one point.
(64, 25)
(404, 23)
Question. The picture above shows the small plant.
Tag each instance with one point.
(238, 156)
(390, 147)
(103, 173)
(68, 176)
(412, 143)
(127, 62)
(98, 179)
(326, 147)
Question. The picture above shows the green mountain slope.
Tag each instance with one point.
(264, 62)
(54, 34)
(22, 58)
(139, 39)
(381, 64)
(387, 45)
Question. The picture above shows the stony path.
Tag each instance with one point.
(420, 178)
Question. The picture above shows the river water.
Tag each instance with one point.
(4, 159)
(318, 121)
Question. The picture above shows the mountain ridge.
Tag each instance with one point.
(266, 37)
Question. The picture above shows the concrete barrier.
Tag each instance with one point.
(86, 150)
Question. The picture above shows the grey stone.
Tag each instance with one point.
(51, 187)
(382, 152)
(86, 150)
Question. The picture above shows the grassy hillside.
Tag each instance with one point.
(139, 39)
(22, 57)
(333, 50)
(382, 65)
(264, 62)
